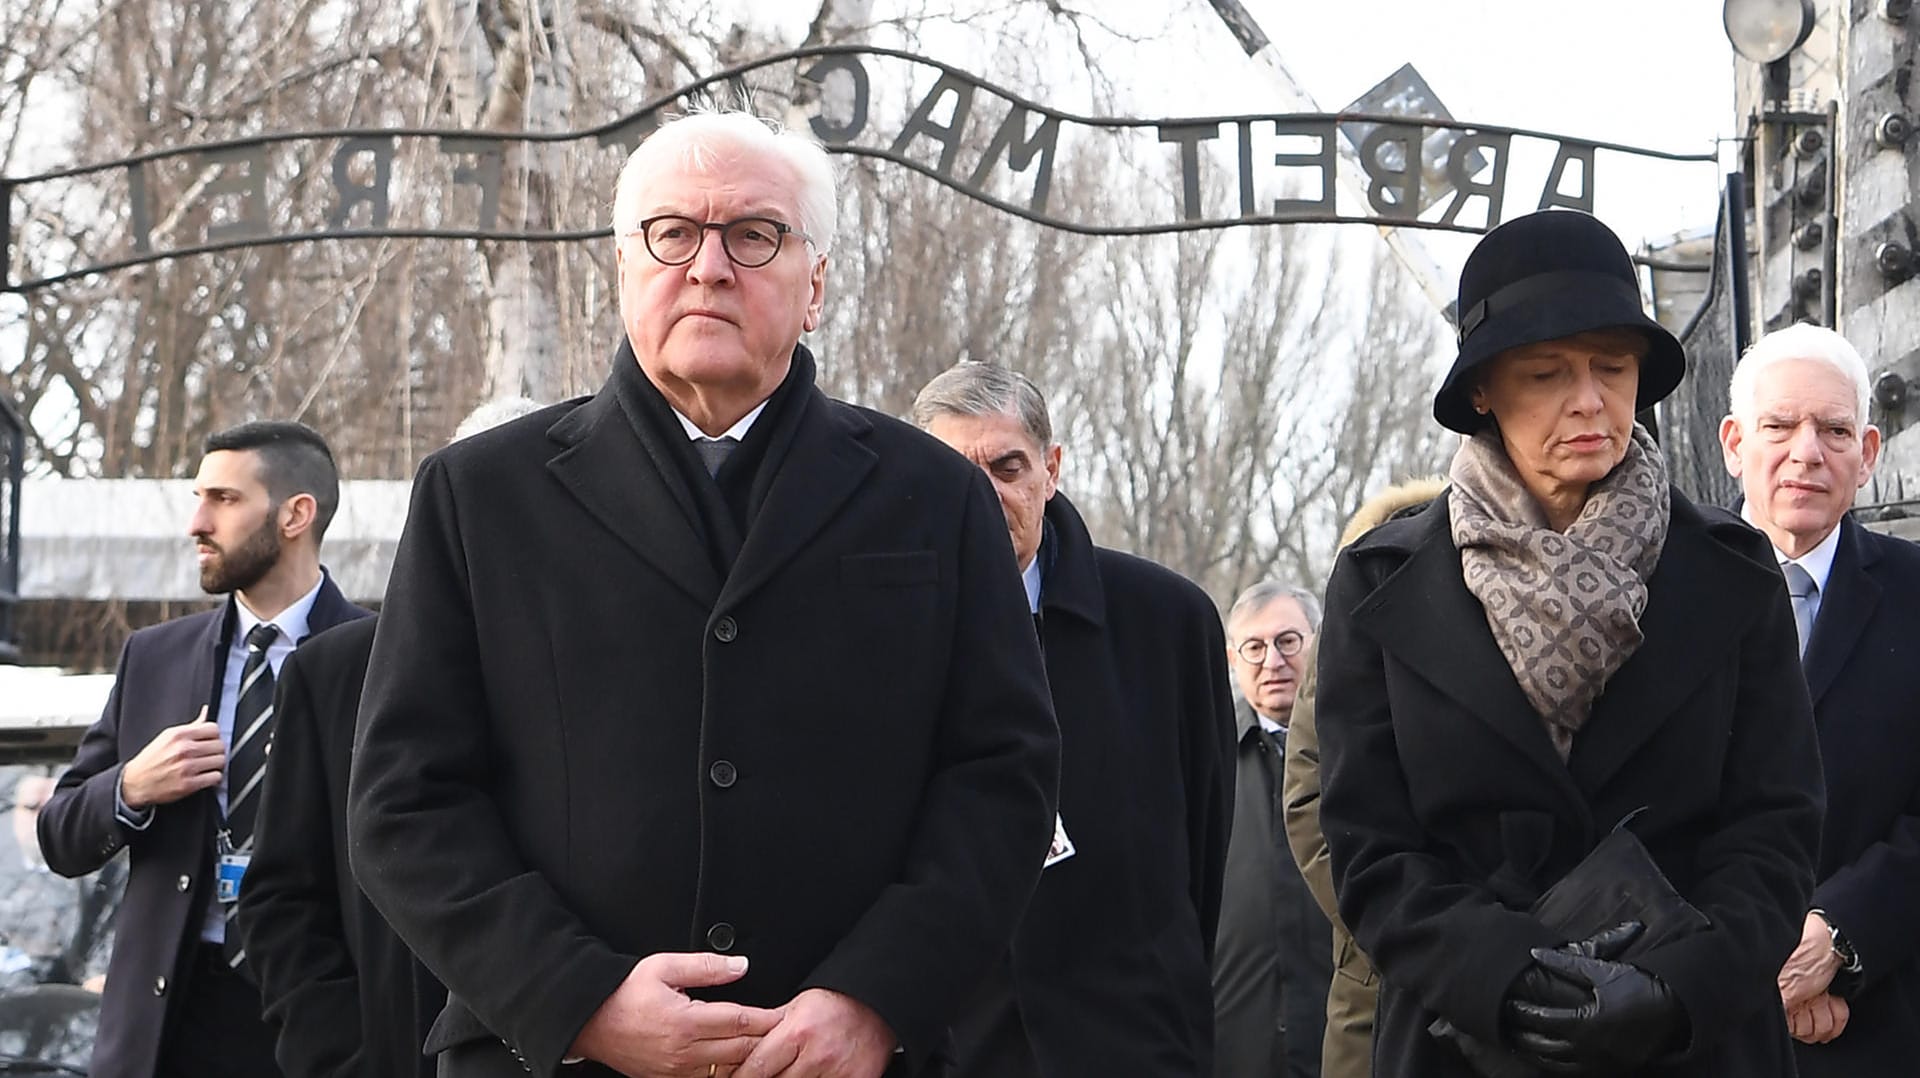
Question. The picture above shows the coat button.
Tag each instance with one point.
(183, 883)
(720, 936)
(725, 630)
(159, 986)
(722, 773)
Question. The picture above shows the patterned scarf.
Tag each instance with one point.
(1564, 608)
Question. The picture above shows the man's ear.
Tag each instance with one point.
(1869, 452)
(817, 282)
(1051, 455)
(1730, 436)
(297, 516)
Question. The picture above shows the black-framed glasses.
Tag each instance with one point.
(1254, 650)
(751, 242)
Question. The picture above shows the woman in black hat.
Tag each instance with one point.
(1560, 642)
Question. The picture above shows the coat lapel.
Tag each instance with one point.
(1464, 663)
(818, 472)
(605, 465)
(1693, 575)
(1845, 608)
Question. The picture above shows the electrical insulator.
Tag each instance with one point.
(1893, 130)
(1890, 391)
(1894, 260)
(1809, 142)
(1809, 235)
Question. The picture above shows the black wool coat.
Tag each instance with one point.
(580, 744)
(1108, 973)
(1863, 668)
(1447, 810)
(166, 674)
(346, 996)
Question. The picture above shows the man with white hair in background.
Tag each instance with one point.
(705, 731)
(1799, 442)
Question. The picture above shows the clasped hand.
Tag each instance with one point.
(650, 1028)
(1577, 1010)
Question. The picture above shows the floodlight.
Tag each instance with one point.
(1767, 30)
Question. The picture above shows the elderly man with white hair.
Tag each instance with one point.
(705, 731)
(1799, 441)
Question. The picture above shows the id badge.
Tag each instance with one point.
(1062, 847)
(231, 869)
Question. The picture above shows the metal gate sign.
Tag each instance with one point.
(982, 140)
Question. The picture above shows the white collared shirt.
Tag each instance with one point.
(738, 432)
(1030, 576)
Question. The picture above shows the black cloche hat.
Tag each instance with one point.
(1540, 277)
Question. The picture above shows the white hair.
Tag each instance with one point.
(1803, 340)
(693, 139)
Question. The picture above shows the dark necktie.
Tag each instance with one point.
(715, 451)
(1276, 761)
(1801, 587)
(247, 758)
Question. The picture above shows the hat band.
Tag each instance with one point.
(1541, 284)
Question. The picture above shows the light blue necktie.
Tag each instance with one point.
(1800, 585)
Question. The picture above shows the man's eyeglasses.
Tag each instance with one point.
(1254, 651)
(751, 242)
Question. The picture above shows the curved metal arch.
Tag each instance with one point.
(639, 119)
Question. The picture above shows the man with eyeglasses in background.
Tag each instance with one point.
(705, 731)
(1273, 956)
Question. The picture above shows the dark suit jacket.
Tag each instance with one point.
(1109, 971)
(1447, 810)
(347, 997)
(1863, 668)
(166, 673)
(580, 745)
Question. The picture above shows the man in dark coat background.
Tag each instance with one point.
(705, 727)
(345, 996)
(158, 773)
(1799, 442)
(1108, 973)
(1274, 962)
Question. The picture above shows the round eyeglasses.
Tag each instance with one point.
(1254, 651)
(750, 242)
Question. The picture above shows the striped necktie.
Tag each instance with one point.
(247, 758)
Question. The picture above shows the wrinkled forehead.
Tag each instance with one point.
(1807, 387)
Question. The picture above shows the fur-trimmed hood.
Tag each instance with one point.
(1391, 502)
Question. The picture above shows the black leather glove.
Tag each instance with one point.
(1627, 1018)
(1542, 987)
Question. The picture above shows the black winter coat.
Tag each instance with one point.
(1447, 810)
(1863, 667)
(347, 998)
(1109, 970)
(581, 744)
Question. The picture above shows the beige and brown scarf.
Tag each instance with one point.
(1564, 607)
